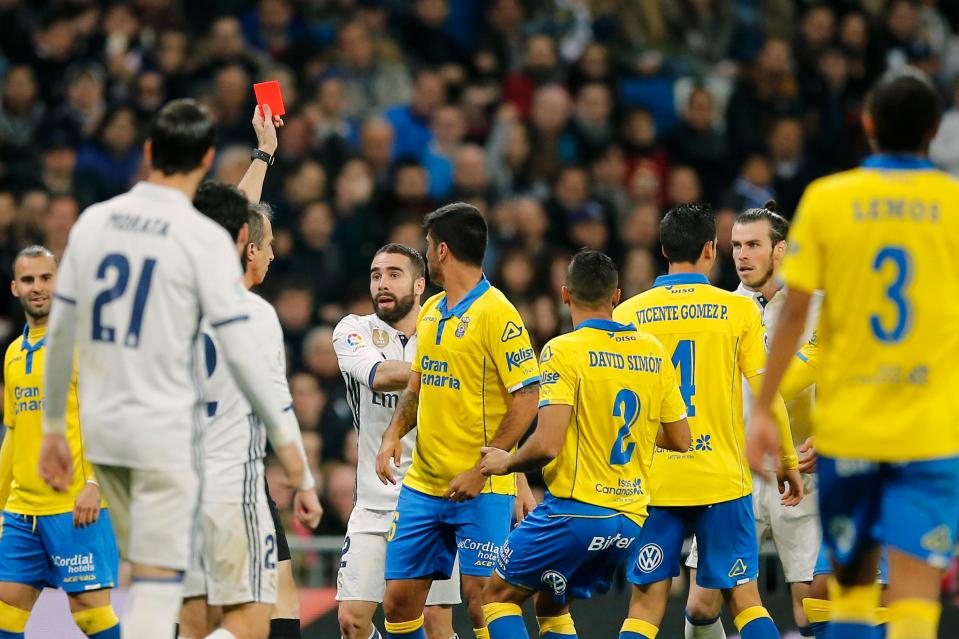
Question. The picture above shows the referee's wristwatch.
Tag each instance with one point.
(257, 154)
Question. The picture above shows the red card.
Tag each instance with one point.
(269, 93)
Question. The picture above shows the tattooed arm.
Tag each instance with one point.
(404, 420)
(515, 423)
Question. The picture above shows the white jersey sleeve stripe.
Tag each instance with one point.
(64, 298)
(230, 320)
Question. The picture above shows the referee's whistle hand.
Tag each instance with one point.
(391, 451)
(56, 463)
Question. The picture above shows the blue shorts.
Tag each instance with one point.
(427, 532)
(824, 566)
(911, 506)
(725, 534)
(48, 551)
(568, 548)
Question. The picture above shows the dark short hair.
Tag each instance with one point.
(35, 250)
(180, 135)
(591, 278)
(224, 204)
(905, 108)
(778, 226)
(685, 230)
(462, 228)
(417, 264)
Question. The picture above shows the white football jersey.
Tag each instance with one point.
(799, 409)
(362, 342)
(234, 438)
(141, 269)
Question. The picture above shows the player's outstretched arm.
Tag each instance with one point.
(404, 420)
(56, 463)
(541, 448)
(391, 375)
(674, 436)
(765, 436)
(516, 421)
(265, 126)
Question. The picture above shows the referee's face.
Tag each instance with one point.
(33, 282)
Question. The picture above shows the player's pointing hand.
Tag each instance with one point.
(56, 464)
(391, 451)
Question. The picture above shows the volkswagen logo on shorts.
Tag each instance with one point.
(554, 581)
(650, 556)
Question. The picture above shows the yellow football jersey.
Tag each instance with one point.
(713, 338)
(802, 370)
(471, 358)
(22, 410)
(621, 386)
(882, 242)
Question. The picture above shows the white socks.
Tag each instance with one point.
(221, 633)
(152, 609)
(710, 631)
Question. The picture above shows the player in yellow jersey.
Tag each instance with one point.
(474, 383)
(882, 242)
(714, 338)
(608, 395)
(49, 538)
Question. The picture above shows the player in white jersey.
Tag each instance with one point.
(236, 511)
(138, 273)
(240, 543)
(759, 245)
(374, 353)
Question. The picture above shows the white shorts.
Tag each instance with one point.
(795, 531)
(363, 563)
(238, 556)
(154, 514)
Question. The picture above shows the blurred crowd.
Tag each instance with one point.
(568, 122)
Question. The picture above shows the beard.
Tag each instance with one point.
(32, 311)
(762, 280)
(401, 306)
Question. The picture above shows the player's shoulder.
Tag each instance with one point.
(495, 301)
(352, 323)
(262, 310)
(432, 302)
(12, 351)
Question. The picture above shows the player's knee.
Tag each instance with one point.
(395, 608)
(96, 621)
(352, 624)
(13, 619)
(703, 608)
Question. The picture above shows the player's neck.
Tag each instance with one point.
(700, 268)
(34, 323)
(767, 290)
(580, 315)
(457, 283)
(248, 280)
(186, 183)
(407, 325)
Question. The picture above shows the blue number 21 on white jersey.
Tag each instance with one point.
(120, 264)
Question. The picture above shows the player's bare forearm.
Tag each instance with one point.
(404, 417)
(391, 375)
(518, 418)
(792, 321)
(6, 467)
(674, 436)
(546, 442)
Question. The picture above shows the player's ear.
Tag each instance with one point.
(250, 250)
(13, 288)
(565, 295)
(207, 161)
(419, 285)
(780, 249)
(617, 295)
